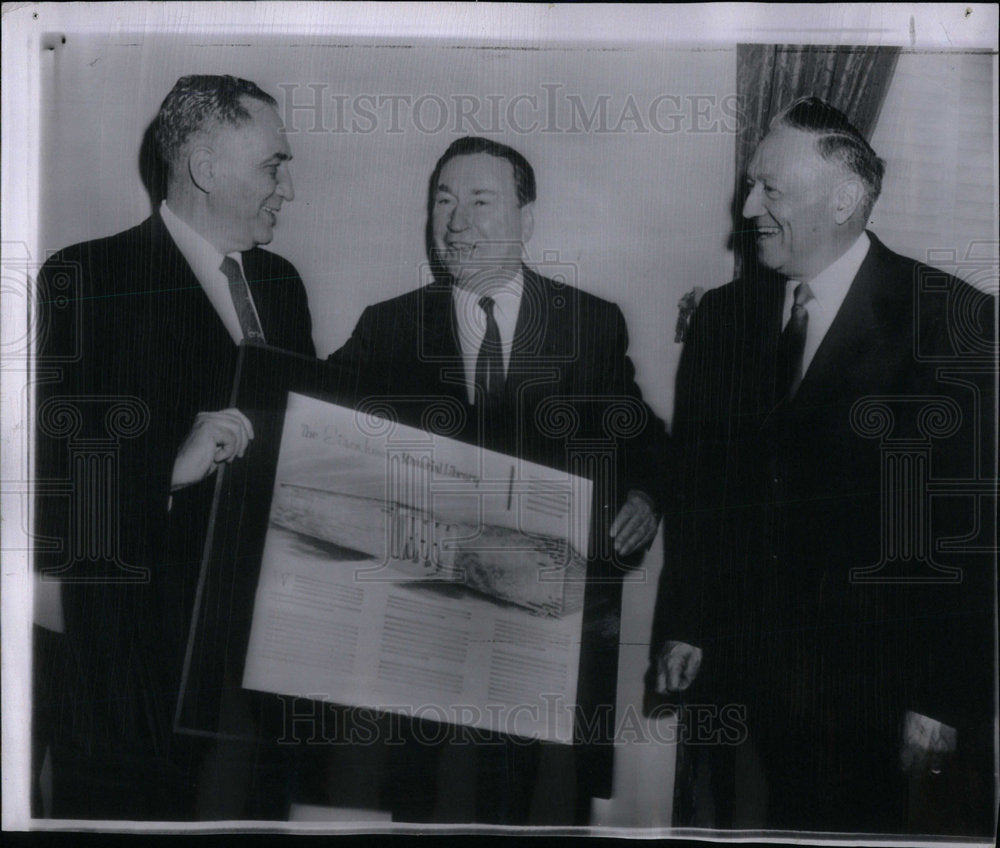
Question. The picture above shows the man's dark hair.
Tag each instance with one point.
(837, 140)
(524, 174)
(194, 102)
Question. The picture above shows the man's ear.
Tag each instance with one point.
(527, 222)
(201, 168)
(847, 198)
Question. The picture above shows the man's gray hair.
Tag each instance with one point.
(838, 141)
(195, 102)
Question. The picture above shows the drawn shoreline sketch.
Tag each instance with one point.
(442, 584)
(499, 562)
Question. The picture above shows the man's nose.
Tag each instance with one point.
(459, 219)
(751, 206)
(285, 188)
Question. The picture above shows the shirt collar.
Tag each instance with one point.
(470, 322)
(829, 287)
(506, 294)
(203, 257)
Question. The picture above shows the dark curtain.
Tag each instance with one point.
(771, 77)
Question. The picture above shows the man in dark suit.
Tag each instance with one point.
(808, 582)
(142, 333)
(531, 367)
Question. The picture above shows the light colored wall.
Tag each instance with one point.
(938, 134)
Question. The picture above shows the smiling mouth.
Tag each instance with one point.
(272, 214)
(766, 232)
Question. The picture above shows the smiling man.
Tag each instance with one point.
(146, 356)
(807, 584)
(501, 322)
(498, 343)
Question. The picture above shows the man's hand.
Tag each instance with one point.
(925, 742)
(215, 438)
(635, 525)
(677, 667)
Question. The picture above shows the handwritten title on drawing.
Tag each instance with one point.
(332, 435)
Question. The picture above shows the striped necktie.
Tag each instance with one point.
(791, 345)
(240, 291)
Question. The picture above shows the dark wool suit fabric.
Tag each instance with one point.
(780, 501)
(130, 349)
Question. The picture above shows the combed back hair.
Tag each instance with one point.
(838, 141)
(524, 174)
(197, 101)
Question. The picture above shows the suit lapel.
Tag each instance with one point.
(850, 355)
(439, 353)
(757, 320)
(532, 332)
(269, 293)
(532, 318)
(182, 308)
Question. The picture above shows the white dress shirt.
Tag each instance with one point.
(470, 320)
(829, 288)
(206, 263)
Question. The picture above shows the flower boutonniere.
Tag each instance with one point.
(685, 309)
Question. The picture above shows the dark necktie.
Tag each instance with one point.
(791, 345)
(249, 323)
(489, 365)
